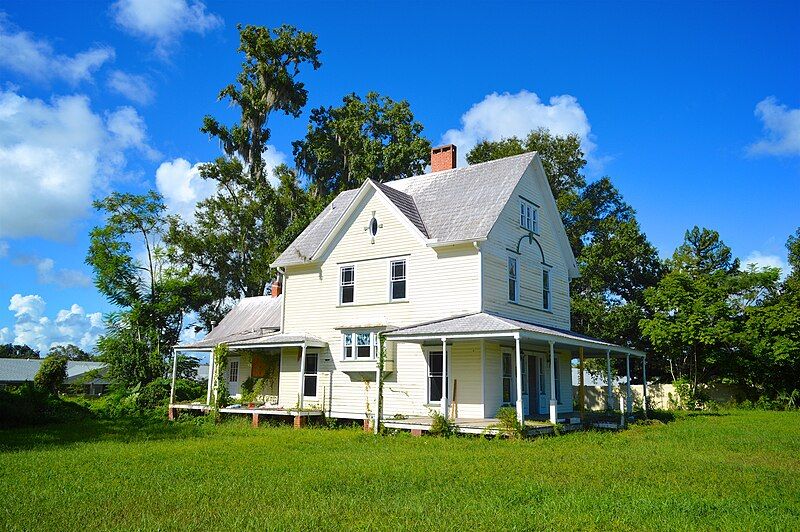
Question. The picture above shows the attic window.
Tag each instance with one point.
(373, 226)
(528, 216)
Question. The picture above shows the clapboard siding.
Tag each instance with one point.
(505, 236)
(439, 284)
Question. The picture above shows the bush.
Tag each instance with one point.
(52, 374)
(440, 425)
(28, 405)
(509, 424)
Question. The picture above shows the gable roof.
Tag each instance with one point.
(25, 369)
(251, 317)
(447, 207)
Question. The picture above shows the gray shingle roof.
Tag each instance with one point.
(480, 191)
(251, 317)
(485, 323)
(21, 369)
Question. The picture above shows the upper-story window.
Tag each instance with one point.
(528, 216)
(347, 284)
(513, 280)
(546, 302)
(359, 345)
(397, 279)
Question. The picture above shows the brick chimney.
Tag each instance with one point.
(275, 291)
(443, 158)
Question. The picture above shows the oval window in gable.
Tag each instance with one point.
(373, 226)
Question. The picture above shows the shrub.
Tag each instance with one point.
(509, 424)
(28, 405)
(440, 425)
(52, 374)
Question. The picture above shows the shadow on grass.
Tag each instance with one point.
(94, 430)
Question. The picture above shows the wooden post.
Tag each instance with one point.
(302, 374)
(520, 411)
(644, 384)
(581, 389)
(553, 401)
(255, 419)
(210, 376)
(444, 378)
(174, 376)
(378, 398)
(628, 401)
(609, 391)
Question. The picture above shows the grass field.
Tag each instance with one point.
(737, 470)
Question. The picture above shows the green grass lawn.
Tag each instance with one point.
(737, 470)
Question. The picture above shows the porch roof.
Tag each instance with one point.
(250, 319)
(485, 325)
(260, 341)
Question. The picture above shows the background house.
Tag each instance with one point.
(88, 374)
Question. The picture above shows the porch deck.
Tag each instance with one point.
(488, 426)
(264, 410)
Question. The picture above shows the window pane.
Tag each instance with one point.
(234, 371)
(347, 294)
(506, 390)
(512, 290)
(522, 214)
(348, 275)
(310, 386)
(435, 364)
(398, 289)
(435, 389)
(311, 364)
(399, 269)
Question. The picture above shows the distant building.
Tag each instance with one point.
(15, 371)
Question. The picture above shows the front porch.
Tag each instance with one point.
(256, 413)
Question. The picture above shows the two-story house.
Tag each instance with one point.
(461, 275)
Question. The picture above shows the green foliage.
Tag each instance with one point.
(440, 425)
(70, 352)
(17, 351)
(29, 405)
(252, 388)
(156, 393)
(508, 424)
(374, 138)
(52, 374)
(220, 395)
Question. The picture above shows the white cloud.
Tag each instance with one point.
(134, 87)
(781, 129)
(53, 156)
(180, 183)
(33, 328)
(163, 21)
(505, 115)
(182, 187)
(35, 58)
(761, 261)
(47, 273)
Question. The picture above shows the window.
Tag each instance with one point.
(513, 280)
(524, 374)
(347, 284)
(397, 279)
(546, 289)
(541, 375)
(558, 379)
(310, 378)
(528, 216)
(233, 371)
(508, 371)
(359, 345)
(435, 376)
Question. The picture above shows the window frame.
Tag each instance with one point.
(509, 376)
(515, 279)
(528, 216)
(547, 290)
(428, 353)
(392, 280)
(557, 375)
(351, 337)
(314, 376)
(342, 268)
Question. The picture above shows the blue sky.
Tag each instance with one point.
(693, 109)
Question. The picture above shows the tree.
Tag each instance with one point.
(17, 351)
(52, 374)
(773, 332)
(152, 295)
(70, 352)
(698, 310)
(616, 261)
(240, 230)
(374, 138)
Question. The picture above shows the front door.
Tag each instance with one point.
(233, 376)
(541, 371)
(533, 394)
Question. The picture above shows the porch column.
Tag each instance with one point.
(445, 406)
(609, 392)
(644, 384)
(210, 376)
(302, 374)
(378, 398)
(581, 389)
(553, 401)
(520, 411)
(174, 376)
(628, 405)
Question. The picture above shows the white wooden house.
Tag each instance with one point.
(462, 274)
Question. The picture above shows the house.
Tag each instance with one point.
(85, 373)
(460, 275)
